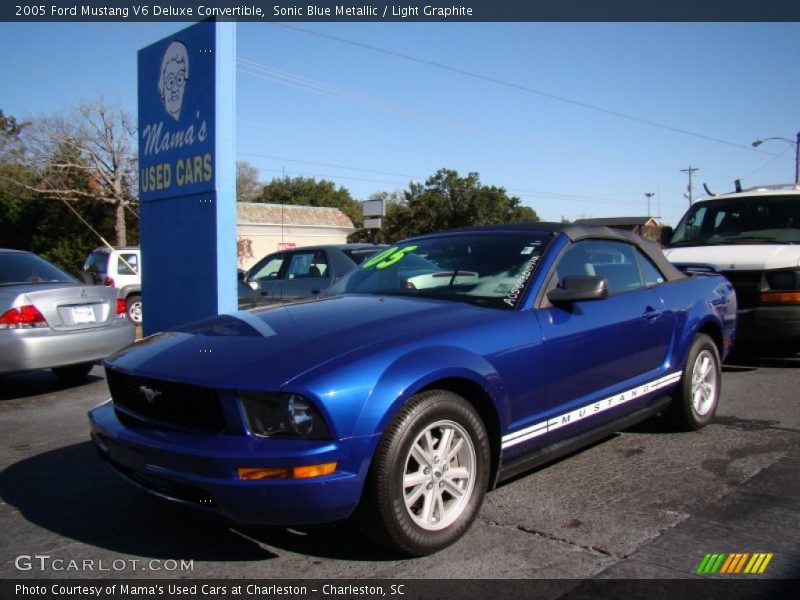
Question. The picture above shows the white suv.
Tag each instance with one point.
(753, 238)
(121, 268)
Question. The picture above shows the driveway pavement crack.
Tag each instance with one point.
(555, 538)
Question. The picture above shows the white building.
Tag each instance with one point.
(265, 228)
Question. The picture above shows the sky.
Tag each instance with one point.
(576, 119)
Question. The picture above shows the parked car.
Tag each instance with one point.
(119, 267)
(278, 277)
(403, 406)
(752, 237)
(49, 320)
(302, 272)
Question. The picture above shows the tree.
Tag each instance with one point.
(10, 130)
(88, 155)
(446, 201)
(307, 191)
(247, 184)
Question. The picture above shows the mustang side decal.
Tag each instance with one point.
(523, 435)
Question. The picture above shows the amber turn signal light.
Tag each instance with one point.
(303, 472)
(780, 297)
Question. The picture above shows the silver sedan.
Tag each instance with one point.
(49, 320)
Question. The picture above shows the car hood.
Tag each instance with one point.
(738, 257)
(266, 349)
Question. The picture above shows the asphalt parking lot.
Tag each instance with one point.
(645, 503)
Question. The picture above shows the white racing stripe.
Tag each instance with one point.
(523, 435)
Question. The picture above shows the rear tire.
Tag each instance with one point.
(695, 402)
(428, 477)
(134, 304)
(73, 373)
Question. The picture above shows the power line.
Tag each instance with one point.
(333, 177)
(322, 164)
(515, 86)
(269, 73)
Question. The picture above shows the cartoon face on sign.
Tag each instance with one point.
(173, 77)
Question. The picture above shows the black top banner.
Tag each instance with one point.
(398, 11)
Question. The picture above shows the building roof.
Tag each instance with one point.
(259, 213)
(619, 221)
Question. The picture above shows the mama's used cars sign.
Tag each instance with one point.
(176, 115)
(187, 175)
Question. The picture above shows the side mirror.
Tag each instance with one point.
(665, 236)
(577, 288)
(241, 274)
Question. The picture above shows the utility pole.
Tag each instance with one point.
(649, 195)
(691, 170)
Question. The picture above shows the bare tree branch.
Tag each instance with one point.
(90, 154)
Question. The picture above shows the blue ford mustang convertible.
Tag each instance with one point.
(441, 366)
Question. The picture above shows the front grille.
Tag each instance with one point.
(175, 404)
(747, 285)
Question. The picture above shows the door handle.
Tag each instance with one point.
(651, 313)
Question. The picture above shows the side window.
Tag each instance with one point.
(652, 276)
(96, 263)
(269, 269)
(125, 269)
(614, 261)
(308, 264)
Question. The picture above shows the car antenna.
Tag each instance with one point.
(708, 191)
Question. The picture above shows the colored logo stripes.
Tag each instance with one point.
(734, 563)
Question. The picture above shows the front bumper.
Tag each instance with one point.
(769, 324)
(28, 349)
(200, 471)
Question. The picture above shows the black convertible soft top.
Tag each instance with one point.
(582, 232)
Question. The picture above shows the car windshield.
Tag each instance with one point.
(23, 268)
(488, 270)
(755, 220)
(359, 254)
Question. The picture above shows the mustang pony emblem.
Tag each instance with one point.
(149, 395)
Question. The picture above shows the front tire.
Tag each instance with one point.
(429, 475)
(694, 404)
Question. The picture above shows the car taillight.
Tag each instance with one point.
(108, 281)
(122, 308)
(24, 317)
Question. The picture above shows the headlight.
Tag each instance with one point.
(282, 415)
(783, 280)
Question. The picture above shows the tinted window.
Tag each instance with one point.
(304, 265)
(759, 219)
(358, 256)
(96, 263)
(489, 270)
(614, 261)
(29, 268)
